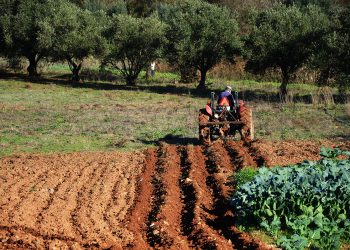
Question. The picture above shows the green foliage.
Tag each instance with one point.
(309, 202)
(284, 37)
(334, 51)
(110, 7)
(21, 22)
(75, 34)
(325, 4)
(243, 176)
(133, 44)
(199, 35)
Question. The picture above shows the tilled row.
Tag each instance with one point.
(189, 206)
(175, 198)
(68, 202)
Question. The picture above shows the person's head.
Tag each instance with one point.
(228, 89)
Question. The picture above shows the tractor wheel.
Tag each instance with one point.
(247, 131)
(204, 130)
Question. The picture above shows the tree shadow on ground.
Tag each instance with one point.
(173, 140)
(247, 95)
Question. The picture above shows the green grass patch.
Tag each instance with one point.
(54, 118)
(243, 176)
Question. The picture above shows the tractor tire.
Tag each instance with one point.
(247, 131)
(204, 130)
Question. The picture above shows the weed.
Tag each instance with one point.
(243, 176)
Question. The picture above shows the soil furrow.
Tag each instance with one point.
(57, 217)
(223, 223)
(77, 220)
(259, 157)
(170, 214)
(124, 196)
(62, 179)
(16, 170)
(100, 202)
(164, 219)
(80, 215)
(223, 219)
(155, 236)
(137, 216)
(240, 155)
(86, 213)
(23, 195)
(191, 224)
(117, 204)
(20, 189)
(13, 230)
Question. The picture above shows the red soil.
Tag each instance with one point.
(170, 197)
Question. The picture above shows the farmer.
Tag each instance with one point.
(153, 69)
(226, 98)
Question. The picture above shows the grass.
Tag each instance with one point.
(103, 116)
(53, 118)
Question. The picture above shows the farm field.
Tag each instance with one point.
(172, 196)
(189, 124)
(93, 167)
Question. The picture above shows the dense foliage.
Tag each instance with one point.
(21, 25)
(282, 34)
(307, 205)
(133, 44)
(334, 51)
(199, 35)
(75, 35)
(285, 38)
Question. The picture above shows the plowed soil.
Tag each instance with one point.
(171, 197)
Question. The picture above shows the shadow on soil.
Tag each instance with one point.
(248, 95)
(173, 140)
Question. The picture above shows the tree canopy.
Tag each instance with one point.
(21, 25)
(133, 44)
(76, 34)
(200, 35)
(285, 38)
(334, 52)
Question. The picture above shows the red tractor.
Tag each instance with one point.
(224, 121)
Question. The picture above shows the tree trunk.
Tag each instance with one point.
(75, 68)
(202, 80)
(188, 74)
(33, 65)
(131, 80)
(283, 88)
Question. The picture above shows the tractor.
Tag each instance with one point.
(221, 121)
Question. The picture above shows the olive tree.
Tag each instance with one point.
(133, 44)
(200, 35)
(75, 34)
(284, 38)
(21, 27)
(333, 53)
(341, 54)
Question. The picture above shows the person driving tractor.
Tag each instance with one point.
(226, 98)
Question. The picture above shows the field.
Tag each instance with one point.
(99, 165)
(169, 196)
